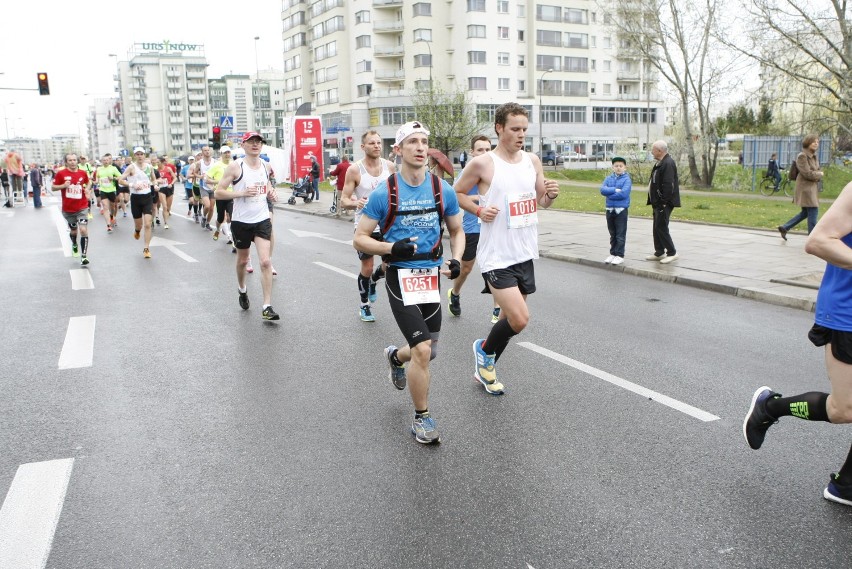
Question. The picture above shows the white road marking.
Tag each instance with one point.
(172, 246)
(62, 229)
(299, 233)
(81, 279)
(31, 511)
(7, 213)
(79, 343)
(623, 383)
(336, 270)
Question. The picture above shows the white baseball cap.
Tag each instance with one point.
(139, 149)
(408, 129)
(225, 149)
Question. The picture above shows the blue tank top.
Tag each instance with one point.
(834, 300)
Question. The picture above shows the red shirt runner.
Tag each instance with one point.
(74, 196)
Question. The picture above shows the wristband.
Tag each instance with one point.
(479, 210)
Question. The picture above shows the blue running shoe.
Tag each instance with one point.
(424, 431)
(495, 315)
(372, 295)
(484, 371)
(836, 492)
(396, 373)
(757, 421)
(366, 315)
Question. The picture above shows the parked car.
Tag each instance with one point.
(571, 155)
(602, 155)
(551, 158)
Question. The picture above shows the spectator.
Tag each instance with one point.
(772, 170)
(339, 172)
(616, 187)
(663, 197)
(315, 177)
(4, 179)
(36, 181)
(15, 169)
(807, 186)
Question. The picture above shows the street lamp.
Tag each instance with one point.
(541, 116)
(428, 45)
(256, 65)
(6, 118)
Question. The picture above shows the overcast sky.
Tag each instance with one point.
(71, 42)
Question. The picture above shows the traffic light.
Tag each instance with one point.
(217, 138)
(43, 86)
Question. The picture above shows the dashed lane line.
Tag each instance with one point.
(81, 279)
(336, 270)
(79, 343)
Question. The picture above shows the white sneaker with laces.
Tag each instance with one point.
(609, 259)
(617, 260)
(669, 258)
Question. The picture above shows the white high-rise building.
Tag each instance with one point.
(105, 127)
(358, 62)
(163, 88)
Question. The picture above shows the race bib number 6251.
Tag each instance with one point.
(419, 286)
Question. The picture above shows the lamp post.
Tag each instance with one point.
(256, 65)
(428, 45)
(541, 116)
(6, 118)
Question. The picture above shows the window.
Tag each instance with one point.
(576, 40)
(422, 9)
(363, 41)
(364, 66)
(594, 41)
(550, 87)
(521, 36)
(364, 90)
(522, 85)
(577, 64)
(563, 114)
(502, 6)
(397, 115)
(503, 83)
(607, 89)
(474, 31)
(422, 85)
(594, 65)
(607, 18)
(594, 17)
(423, 34)
(575, 89)
(476, 83)
(607, 42)
(476, 57)
(545, 62)
(624, 89)
(623, 115)
(592, 88)
(548, 13)
(522, 11)
(502, 32)
(360, 18)
(576, 16)
(475, 5)
(522, 61)
(502, 58)
(548, 37)
(423, 60)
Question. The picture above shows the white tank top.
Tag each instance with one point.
(140, 176)
(368, 184)
(501, 247)
(202, 168)
(251, 209)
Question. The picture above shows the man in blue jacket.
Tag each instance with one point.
(616, 187)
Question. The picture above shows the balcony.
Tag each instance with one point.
(200, 131)
(173, 85)
(197, 120)
(176, 131)
(389, 93)
(628, 76)
(383, 75)
(175, 120)
(387, 4)
(140, 108)
(393, 51)
(173, 73)
(628, 96)
(387, 26)
(175, 108)
(195, 97)
(195, 75)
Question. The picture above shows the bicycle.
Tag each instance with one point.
(767, 185)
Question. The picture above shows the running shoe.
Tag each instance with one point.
(366, 315)
(84, 261)
(124, 214)
(836, 492)
(136, 234)
(244, 300)
(146, 253)
(249, 268)
(274, 272)
(454, 305)
(157, 220)
(269, 314)
(189, 212)
(396, 373)
(495, 315)
(109, 228)
(757, 421)
(165, 226)
(424, 431)
(91, 215)
(484, 371)
(75, 251)
(233, 249)
(372, 295)
(216, 235)
(230, 241)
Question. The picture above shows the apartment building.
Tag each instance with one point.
(164, 97)
(358, 62)
(250, 103)
(105, 127)
(44, 151)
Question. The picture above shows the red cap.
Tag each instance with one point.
(249, 135)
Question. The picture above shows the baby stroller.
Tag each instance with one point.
(302, 189)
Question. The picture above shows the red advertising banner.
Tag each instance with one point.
(306, 142)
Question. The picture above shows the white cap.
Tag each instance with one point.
(225, 149)
(408, 129)
(191, 158)
(139, 149)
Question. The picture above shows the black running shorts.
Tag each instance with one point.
(521, 275)
(841, 342)
(111, 196)
(471, 241)
(417, 322)
(245, 233)
(141, 204)
(377, 235)
(223, 206)
(167, 191)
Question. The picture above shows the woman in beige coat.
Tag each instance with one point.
(807, 186)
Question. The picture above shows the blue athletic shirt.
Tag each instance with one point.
(424, 227)
(834, 300)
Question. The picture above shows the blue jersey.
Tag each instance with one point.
(423, 226)
(184, 172)
(834, 300)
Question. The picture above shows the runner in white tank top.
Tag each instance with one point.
(139, 177)
(511, 189)
(361, 179)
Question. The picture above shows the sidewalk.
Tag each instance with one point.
(751, 263)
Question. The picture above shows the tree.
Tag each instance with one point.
(677, 38)
(806, 47)
(450, 116)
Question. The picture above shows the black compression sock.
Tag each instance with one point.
(73, 238)
(844, 476)
(363, 287)
(499, 338)
(808, 406)
(419, 413)
(378, 274)
(396, 361)
(84, 245)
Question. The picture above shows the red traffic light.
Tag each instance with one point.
(43, 86)
(217, 130)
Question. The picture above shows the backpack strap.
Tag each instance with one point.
(393, 205)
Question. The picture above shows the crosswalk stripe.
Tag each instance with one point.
(79, 343)
(31, 511)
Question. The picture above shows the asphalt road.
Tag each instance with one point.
(201, 436)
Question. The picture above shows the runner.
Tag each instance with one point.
(511, 188)
(361, 179)
(250, 221)
(224, 208)
(107, 175)
(124, 191)
(195, 202)
(139, 177)
(413, 283)
(75, 186)
(167, 189)
(201, 167)
(478, 145)
(187, 182)
(83, 164)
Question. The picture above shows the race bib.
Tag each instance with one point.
(521, 210)
(261, 193)
(419, 286)
(105, 181)
(142, 186)
(74, 191)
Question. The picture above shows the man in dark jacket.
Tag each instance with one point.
(36, 181)
(315, 177)
(663, 197)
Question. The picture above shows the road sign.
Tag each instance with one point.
(226, 122)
